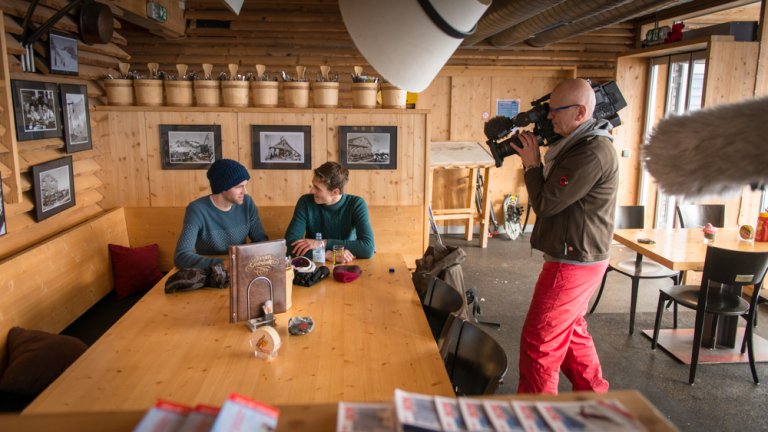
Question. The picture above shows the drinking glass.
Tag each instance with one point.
(338, 254)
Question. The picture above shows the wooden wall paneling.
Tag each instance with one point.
(175, 187)
(632, 79)
(10, 157)
(281, 187)
(120, 142)
(731, 69)
(404, 186)
(437, 99)
(761, 79)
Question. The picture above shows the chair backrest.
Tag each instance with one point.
(628, 217)
(698, 215)
(439, 303)
(733, 267)
(476, 363)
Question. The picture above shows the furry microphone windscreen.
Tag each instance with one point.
(710, 152)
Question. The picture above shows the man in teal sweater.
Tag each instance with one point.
(214, 222)
(341, 218)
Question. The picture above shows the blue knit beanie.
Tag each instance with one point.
(225, 174)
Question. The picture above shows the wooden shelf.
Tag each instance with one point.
(676, 47)
(277, 110)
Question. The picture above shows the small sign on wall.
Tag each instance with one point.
(507, 107)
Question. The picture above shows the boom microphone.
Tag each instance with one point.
(711, 152)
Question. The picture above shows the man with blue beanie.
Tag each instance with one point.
(214, 222)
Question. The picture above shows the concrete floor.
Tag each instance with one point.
(724, 397)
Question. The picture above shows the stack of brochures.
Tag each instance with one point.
(418, 412)
(239, 413)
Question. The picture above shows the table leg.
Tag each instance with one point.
(487, 209)
(472, 187)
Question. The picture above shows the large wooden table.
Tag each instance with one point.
(370, 337)
(298, 418)
(684, 249)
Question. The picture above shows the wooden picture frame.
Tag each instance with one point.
(190, 147)
(62, 53)
(281, 147)
(3, 227)
(36, 110)
(77, 118)
(368, 147)
(53, 185)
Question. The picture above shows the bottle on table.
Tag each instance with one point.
(318, 253)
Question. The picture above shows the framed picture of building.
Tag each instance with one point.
(36, 110)
(62, 53)
(368, 147)
(281, 147)
(77, 119)
(3, 229)
(53, 184)
(190, 146)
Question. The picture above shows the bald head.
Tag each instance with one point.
(576, 91)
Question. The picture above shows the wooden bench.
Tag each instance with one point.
(50, 285)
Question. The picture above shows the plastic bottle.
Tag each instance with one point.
(318, 253)
(761, 233)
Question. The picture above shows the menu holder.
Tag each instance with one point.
(249, 265)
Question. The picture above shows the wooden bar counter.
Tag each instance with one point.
(370, 337)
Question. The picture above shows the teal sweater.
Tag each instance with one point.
(210, 231)
(345, 223)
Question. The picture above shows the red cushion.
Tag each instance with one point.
(134, 269)
(36, 359)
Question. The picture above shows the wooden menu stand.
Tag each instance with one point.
(463, 155)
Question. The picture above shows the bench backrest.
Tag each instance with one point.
(51, 284)
(393, 228)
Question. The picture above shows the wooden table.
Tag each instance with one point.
(317, 417)
(470, 155)
(683, 250)
(370, 337)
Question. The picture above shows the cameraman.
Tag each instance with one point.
(573, 193)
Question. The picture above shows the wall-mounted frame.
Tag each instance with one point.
(53, 183)
(281, 147)
(3, 228)
(368, 147)
(77, 119)
(62, 53)
(190, 146)
(36, 110)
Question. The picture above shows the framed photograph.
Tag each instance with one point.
(190, 146)
(62, 53)
(36, 110)
(281, 147)
(368, 147)
(77, 120)
(3, 229)
(53, 184)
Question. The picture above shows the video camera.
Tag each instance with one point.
(608, 101)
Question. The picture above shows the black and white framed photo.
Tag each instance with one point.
(368, 147)
(62, 53)
(77, 120)
(281, 147)
(3, 228)
(36, 110)
(190, 146)
(53, 183)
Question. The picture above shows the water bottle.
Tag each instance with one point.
(318, 253)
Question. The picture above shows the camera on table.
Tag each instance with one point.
(608, 101)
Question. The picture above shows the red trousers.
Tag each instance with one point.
(555, 336)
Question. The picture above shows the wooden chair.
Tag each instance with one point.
(731, 269)
(698, 215)
(438, 302)
(476, 363)
(636, 268)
